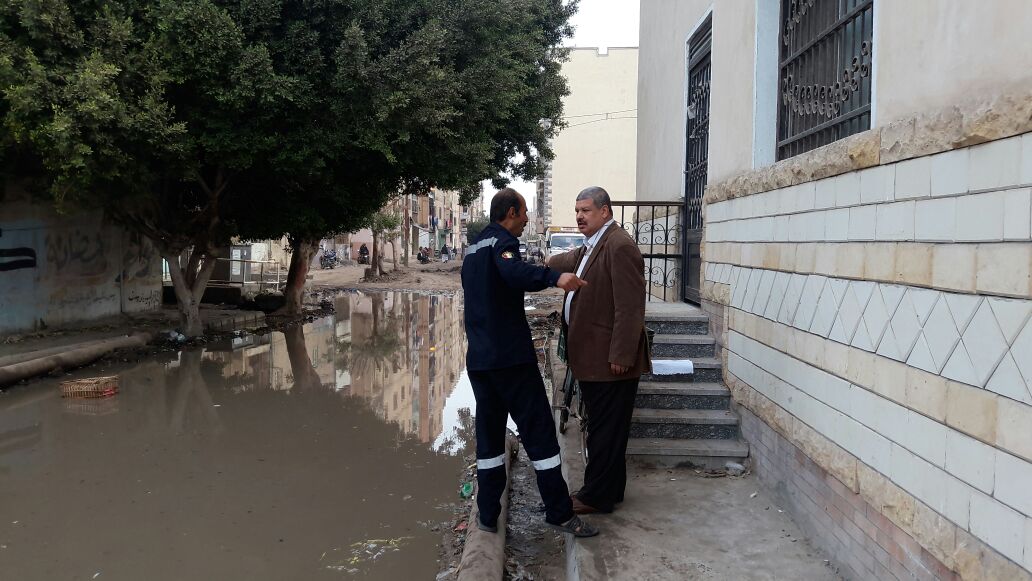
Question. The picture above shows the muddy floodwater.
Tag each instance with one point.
(329, 451)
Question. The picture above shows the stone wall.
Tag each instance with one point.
(879, 320)
(57, 269)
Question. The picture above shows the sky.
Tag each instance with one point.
(598, 23)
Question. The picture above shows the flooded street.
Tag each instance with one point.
(328, 451)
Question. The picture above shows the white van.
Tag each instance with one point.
(559, 242)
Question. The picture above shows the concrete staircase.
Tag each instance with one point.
(684, 419)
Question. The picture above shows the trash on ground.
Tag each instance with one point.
(734, 468)
(93, 387)
(466, 490)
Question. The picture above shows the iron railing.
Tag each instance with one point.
(824, 72)
(657, 227)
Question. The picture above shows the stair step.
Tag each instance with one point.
(686, 346)
(705, 417)
(661, 447)
(684, 424)
(707, 369)
(695, 453)
(682, 395)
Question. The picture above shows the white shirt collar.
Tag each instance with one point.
(593, 241)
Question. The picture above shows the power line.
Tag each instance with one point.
(597, 114)
(597, 120)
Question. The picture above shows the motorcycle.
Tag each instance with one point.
(328, 259)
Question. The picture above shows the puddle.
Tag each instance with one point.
(328, 451)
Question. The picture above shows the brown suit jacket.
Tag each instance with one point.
(607, 317)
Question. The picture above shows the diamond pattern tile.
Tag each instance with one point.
(763, 292)
(963, 308)
(959, 367)
(921, 356)
(862, 338)
(808, 301)
(984, 342)
(940, 333)
(906, 324)
(889, 347)
(740, 286)
(827, 306)
(1007, 381)
(777, 295)
(880, 309)
(923, 301)
(1011, 315)
(794, 292)
(1021, 351)
(750, 291)
(850, 311)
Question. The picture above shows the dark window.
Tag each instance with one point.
(824, 72)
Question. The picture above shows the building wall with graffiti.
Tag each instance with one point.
(57, 269)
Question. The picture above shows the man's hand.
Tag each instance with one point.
(569, 282)
(618, 369)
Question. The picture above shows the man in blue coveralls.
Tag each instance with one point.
(503, 366)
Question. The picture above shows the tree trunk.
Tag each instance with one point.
(301, 253)
(394, 251)
(374, 262)
(189, 284)
(306, 377)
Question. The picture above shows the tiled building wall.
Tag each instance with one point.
(880, 321)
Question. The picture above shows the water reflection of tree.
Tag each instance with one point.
(191, 387)
(464, 436)
(383, 345)
(301, 368)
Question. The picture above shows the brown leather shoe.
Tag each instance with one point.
(581, 508)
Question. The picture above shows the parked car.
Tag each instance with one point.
(523, 251)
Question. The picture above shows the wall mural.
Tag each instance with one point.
(17, 259)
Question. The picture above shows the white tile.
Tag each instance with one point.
(792, 296)
(1021, 351)
(847, 189)
(805, 196)
(979, 217)
(959, 367)
(889, 347)
(962, 307)
(797, 228)
(836, 225)
(808, 301)
(935, 220)
(824, 193)
(1014, 482)
(921, 356)
(906, 323)
(876, 184)
(739, 287)
(940, 333)
(1017, 214)
(862, 220)
(895, 221)
(926, 438)
(958, 502)
(950, 172)
(873, 449)
(862, 338)
(827, 306)
(995, 164)
(985, 343)
(1026, 174)
(786, 200)
(1001, 527)
(1011, 314)
(777, 295)
(763, 292)
(1007, 381)
(1028, 544)
(815, 226)
(924, 300)
(782, 228)
(750, 291)
(914, 178)
(971, 461)
(918, 477)
(880, 309)
(850, 311)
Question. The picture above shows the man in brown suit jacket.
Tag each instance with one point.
(607, 347)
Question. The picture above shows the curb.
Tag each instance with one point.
(483, 557)
(69, 358)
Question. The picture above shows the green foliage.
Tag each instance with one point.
(193, 121)
(474, 228)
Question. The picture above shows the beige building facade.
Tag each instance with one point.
(867, 258)
(597, 146)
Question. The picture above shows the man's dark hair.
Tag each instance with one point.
(502, 202)
(597, 195)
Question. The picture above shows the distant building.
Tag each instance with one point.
(598, 145)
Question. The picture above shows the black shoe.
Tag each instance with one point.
(487, 528)
(576, 527)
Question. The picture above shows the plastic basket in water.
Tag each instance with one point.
(93, 387)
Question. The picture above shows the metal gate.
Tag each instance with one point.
(696, 156)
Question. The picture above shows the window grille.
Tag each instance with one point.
(825, 67)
